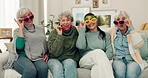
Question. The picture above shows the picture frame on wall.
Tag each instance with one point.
(95, 3)
(104, 3)
(78, 14)
(105, 18)
(77, 1)
(86, 2)
(5, 33)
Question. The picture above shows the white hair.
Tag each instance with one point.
(22, 11)
(66, 14)
(120, 12)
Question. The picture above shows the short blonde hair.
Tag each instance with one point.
(22, 11)
(120, 12)
(66, 14)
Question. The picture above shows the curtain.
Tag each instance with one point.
(8, 13)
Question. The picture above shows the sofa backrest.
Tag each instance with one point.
(9, 46)
(144, 48)
(144, 26)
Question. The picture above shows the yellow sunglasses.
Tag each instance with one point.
(92, 20)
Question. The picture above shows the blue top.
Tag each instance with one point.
(121, 45)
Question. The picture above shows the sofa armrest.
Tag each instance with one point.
(4, 57)
(9, 46)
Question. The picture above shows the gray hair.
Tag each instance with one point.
(120, 13)
(22, 11)
(66, 14)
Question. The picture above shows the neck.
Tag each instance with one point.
(31, 30)
(94, 30)
(124, 31)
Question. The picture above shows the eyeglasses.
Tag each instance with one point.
(93, 20)
(118, 22)
(26, 19)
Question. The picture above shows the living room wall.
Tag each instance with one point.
(36, 6)
(135, 8)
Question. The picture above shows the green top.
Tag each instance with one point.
(63, 46)
(91, 40)
(20, 44)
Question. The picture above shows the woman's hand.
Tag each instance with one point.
(45, 58)
(128, 22)
(20, 22)
(59, 30)
(82, 24)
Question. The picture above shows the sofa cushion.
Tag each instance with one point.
(144, 48)
(4, 57)
(9, 46)
(83, 73)
(144, 73)
(11, 73)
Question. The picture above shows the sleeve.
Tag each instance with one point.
(108, 46)
(136, 39)
(81, 41)
(20, 43)
(130, 28)
(55, 43)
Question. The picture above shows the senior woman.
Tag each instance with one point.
(126, 42)
(29, 47)
(62, 46)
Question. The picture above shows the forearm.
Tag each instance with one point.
(20, 32)
(20, 43)
(81, 41)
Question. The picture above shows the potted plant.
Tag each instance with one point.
(50, 24)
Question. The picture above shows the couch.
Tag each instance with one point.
(82, 73)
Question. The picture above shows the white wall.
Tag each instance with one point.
(135, 8)
(36, 6)
(54, 7)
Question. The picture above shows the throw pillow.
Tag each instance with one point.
(4, 57)
(144, 48)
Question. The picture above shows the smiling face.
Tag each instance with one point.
(92, 26)
(64, 21)
(24, 14)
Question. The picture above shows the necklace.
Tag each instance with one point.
(31, 30)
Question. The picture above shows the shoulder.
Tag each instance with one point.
(136, 39)
(53, 32)
(112, 31)
(75, 28)
(107, 35)
(39, 26)
(16, 30)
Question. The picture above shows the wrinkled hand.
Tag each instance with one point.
(59, 30)
(45, 58)
(128, 22)
(20, 22)
(113, 57)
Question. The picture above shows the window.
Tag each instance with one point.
(8, 13)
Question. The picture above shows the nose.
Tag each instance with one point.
(65, 21)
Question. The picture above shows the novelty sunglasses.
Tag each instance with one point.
(92, 20)
(118, 22)
(28, 17)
